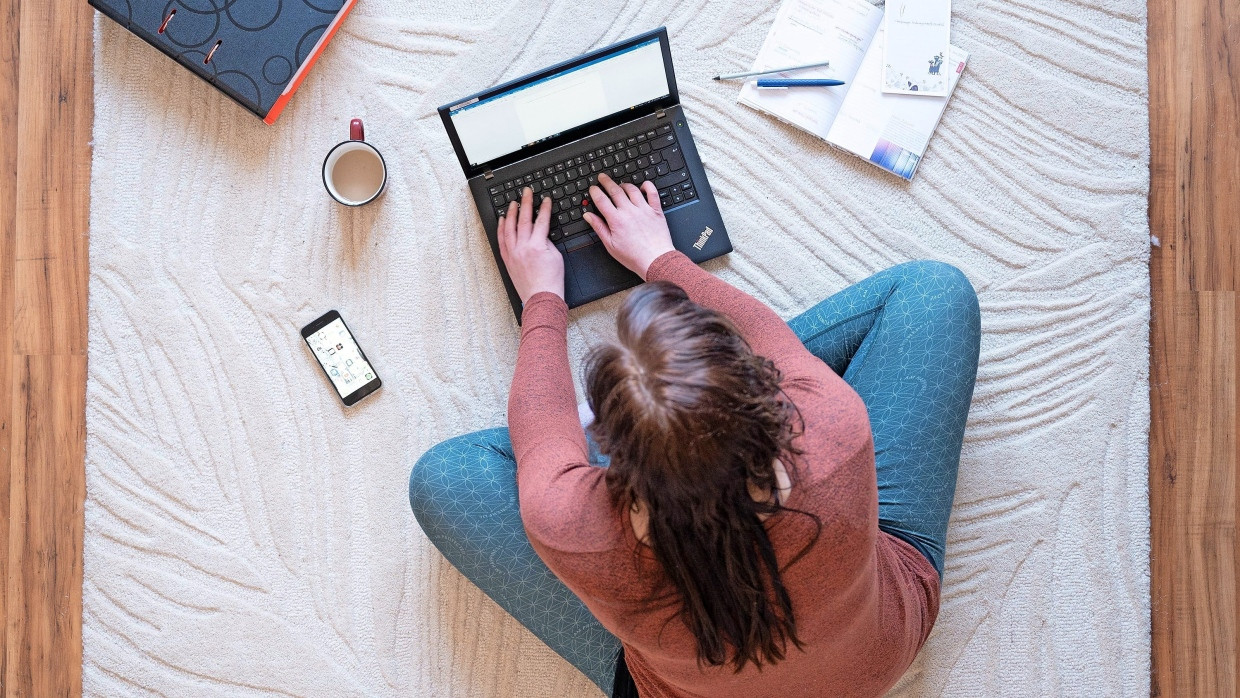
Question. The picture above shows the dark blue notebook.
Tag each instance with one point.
(255, 51)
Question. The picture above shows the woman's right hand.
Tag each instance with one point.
(632, 226)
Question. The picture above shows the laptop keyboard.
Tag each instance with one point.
(640, 156)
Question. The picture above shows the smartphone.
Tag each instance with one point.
(342, 360)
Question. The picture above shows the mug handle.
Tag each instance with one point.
(357, 132)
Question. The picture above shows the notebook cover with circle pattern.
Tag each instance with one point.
(255, 51)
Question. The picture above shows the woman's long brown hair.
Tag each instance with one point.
(692, 419)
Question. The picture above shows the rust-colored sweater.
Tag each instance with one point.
(864, 601)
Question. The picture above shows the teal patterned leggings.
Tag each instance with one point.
(906, 339)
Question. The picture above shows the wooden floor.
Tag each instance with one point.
(1195, 210)
(45, 123)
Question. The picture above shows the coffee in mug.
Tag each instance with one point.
(353, 171)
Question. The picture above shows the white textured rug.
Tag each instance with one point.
(246, 535)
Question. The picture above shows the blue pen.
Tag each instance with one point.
(799, 83)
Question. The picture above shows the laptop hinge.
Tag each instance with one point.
(488, 175)
(660, 114)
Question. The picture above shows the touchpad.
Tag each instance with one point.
(598, 272)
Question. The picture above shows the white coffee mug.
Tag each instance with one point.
(354, 172)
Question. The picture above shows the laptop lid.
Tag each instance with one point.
(577, 98)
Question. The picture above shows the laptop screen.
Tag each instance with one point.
(529, 114)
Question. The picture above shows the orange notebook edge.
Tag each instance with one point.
(274, 112)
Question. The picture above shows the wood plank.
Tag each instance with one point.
(9, 24)
(1164, 147)
(1193, 452)
(53, 183)
(1207, 134)
(1204, 376)
(44, 623)
(1164, 509)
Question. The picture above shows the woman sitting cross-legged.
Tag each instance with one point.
(759, 508)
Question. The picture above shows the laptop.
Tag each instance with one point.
(614, 110)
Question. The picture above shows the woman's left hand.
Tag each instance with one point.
(533, 262)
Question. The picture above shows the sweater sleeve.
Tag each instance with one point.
(562, 497)
(767, 334)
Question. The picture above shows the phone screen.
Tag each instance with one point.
(341, 358)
